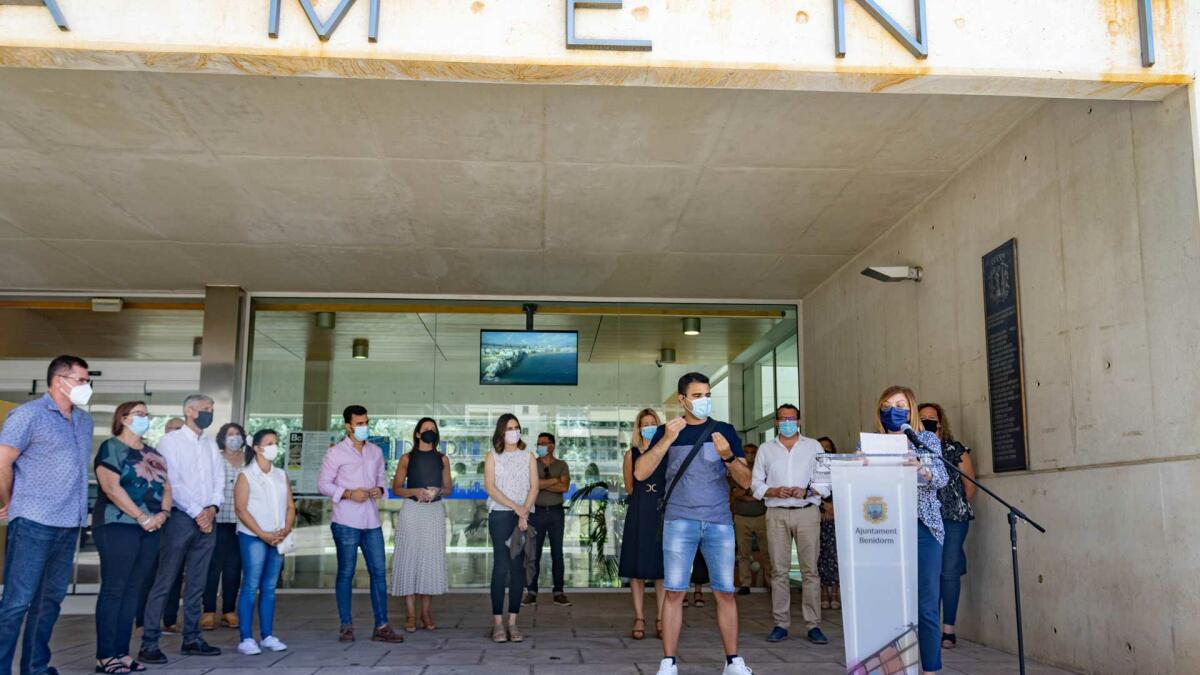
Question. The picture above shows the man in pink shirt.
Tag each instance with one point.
(353, 476)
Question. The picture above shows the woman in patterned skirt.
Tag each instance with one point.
(827, 564)
(419, 565)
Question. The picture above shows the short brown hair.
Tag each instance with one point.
(890, 392)
(121, 413)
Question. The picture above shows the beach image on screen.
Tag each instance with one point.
(528, 357)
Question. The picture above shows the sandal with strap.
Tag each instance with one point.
(638, 633)
(112, 666)
(135, 667)
(949, 640)
(410, 624)
(658, 628)
(427, 621)
(698, 600)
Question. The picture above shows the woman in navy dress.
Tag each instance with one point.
(641, 551)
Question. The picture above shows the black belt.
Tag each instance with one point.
(792, 508)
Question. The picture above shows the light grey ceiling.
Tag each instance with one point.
(139, 181)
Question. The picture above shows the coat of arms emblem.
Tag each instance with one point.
(875, 510)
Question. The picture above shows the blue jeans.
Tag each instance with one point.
(261, 564)
(682, 537)
(37, 570)
(954, 565)
(929, 587)
(348, 540)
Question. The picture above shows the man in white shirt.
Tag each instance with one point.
(197, 492)
(782, 478)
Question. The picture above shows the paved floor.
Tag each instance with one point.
(590, 637)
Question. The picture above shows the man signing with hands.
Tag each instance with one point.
(696, 514)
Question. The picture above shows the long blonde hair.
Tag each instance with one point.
(890, 392)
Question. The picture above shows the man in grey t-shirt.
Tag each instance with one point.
(697, 514)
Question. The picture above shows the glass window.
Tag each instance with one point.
(787, 372)
(765, 375)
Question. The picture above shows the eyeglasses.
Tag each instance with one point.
(79, 380)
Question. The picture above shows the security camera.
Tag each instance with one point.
(891, 274)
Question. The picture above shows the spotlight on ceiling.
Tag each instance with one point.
(197, 346)
(691, 326)
(326, 320)
(361, 348)
(665, 355)
(893, 274)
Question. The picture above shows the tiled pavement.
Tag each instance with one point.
(590, 637)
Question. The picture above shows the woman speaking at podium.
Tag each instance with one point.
(897, 407)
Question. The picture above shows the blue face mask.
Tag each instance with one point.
(893, 418)
(361, 434)
(542, 451)
(139, 425)
(701, 407)
(789, 428)
(648, 432)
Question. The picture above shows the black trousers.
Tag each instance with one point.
(225, 571)
(508, 573)
(127, 555)
(170, 615)
(549, 520)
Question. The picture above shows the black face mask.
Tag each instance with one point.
(429, 436)
(930, 425)
(204, 419)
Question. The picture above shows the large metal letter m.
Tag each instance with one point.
(918, 45)
(325, 28)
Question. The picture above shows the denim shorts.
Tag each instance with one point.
(715, 541)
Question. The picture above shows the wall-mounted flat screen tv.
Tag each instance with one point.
(529, 357)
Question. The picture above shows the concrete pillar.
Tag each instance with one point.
(318, 377)
(221, 364)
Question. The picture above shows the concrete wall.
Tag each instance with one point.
(1102, 200)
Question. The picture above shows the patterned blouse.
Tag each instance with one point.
(512, 477)
(228, 515)
(143, 474)
(929, 508)
(955, 506)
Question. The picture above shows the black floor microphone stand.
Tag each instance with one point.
(1013, 514)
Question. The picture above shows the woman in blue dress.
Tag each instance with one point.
(897, 407)
(641, 551)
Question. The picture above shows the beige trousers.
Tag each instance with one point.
(746, 528)
(802, 526)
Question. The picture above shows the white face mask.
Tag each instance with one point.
(270, 452)
(80, 394)
(512, 436)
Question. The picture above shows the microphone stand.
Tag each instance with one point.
(1013, 514)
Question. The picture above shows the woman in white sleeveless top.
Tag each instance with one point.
(262, 498)
(509, 476)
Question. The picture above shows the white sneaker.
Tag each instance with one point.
(248, 647)
(273, 643)
(668, 667)
(738, 667)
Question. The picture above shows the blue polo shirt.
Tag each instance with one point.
(50, 475)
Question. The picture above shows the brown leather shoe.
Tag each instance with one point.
(229, 620)
(385, 634)
(208, 621)
(346, 634)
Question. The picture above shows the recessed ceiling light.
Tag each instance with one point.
(691, 326)
(361, 348)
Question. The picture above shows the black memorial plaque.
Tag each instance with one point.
(1006, 371)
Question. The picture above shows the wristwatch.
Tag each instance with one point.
(731, 458)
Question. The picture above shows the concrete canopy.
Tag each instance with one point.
(151, 181)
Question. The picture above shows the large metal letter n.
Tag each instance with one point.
(918, 45)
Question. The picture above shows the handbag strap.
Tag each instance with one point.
(704, 433)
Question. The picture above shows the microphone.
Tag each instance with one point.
(913, 438)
